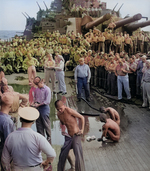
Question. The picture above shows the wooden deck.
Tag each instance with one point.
(131, 153)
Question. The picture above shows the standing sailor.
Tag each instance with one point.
(50, 71)
(82, 77)
(59, 66)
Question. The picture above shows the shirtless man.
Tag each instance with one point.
(18, 99)
(114, 115)
(101, 41)
(128, 42)
(94, 42)
(111, 129)
(67, 117)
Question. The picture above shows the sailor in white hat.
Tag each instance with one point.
(24, 145)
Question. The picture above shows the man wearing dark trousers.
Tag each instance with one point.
(82, 77)
(41, 102)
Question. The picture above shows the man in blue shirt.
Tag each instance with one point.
(6, 124)
(82, 77)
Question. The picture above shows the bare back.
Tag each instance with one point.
(112, 126)
(114, 115)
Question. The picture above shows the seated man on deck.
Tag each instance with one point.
(111, 129)
(114, 115)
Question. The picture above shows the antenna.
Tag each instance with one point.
(120, 8)
(45, 5)
(38, 5)
(115, 7)
(27, 15)
(24, 15)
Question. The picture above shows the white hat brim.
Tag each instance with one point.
(28, 113)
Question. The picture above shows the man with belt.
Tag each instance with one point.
(68, 117)
(50, 71)
(26, 151)
(82, 77)
(121, 72)
(42, 98)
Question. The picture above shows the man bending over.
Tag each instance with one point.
(114, 115)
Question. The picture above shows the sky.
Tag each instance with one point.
(13, 19)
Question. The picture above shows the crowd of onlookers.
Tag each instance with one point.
(72, 46)
(102, 51)
(105, 72)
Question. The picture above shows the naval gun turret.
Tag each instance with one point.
(134, 26)
(125, 21)
(88, 23)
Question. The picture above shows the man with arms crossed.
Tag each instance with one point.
(67, 117)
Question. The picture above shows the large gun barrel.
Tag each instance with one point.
(135, 26)
(128, 20)
(89, 23)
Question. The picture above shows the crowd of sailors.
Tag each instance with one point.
(102, 51)
(112, 61)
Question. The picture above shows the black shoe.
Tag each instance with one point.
(79, 100)
(129, 100)
(54, 92)
(88, 99)
(100, 139)
(59, 92)
(64, 93)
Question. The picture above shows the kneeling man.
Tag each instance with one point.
(111, 129)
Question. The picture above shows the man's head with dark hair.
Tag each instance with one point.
(1, 69)
(37, 80)
(24, 120)
(59, 105)
(56, 103)
(102, 117)
(102, 109)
